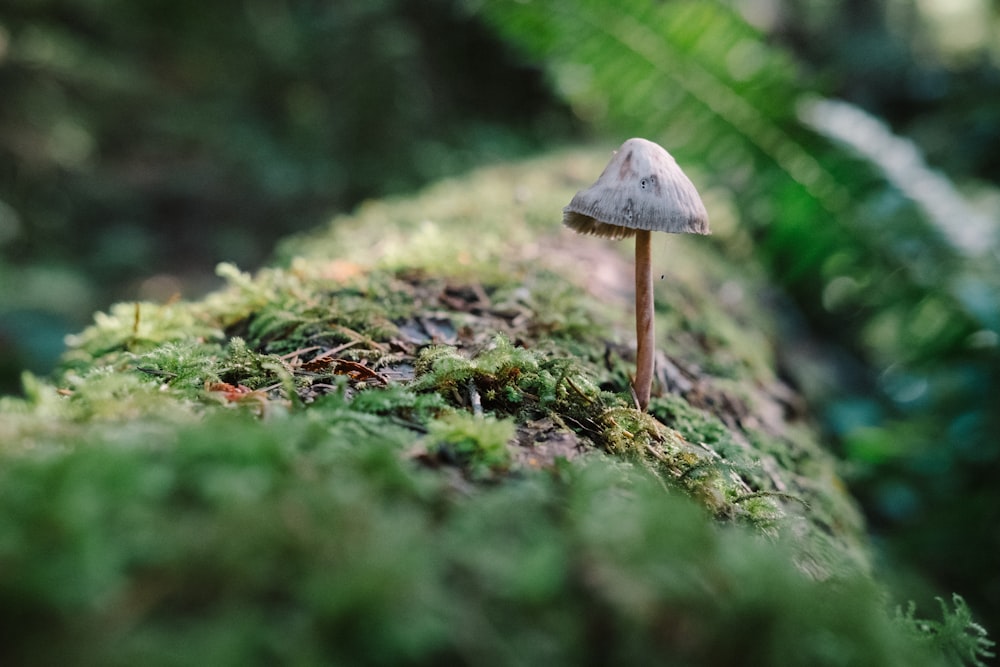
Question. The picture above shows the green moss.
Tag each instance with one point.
(137, 328)
(269, 474)
(242, 365)
(401, 403)
(238, 542)
(185, 366)
(476, 443)
(333, 321)
(694, 425)
(510, 380)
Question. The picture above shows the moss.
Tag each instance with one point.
(238, 542)
(339, 318)
(401, 403)
(335, 315)
(332, 450)
(138, 327)
(693, 424)
(476, 443)
(508, 379)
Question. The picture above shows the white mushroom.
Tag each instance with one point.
(642, 190)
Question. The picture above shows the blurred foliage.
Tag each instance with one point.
(238, 542)
(872, 260)
(928, 67)
(141, 143)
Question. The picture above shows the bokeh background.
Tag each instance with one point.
(852, 148)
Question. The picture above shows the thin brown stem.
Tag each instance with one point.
(644, 330)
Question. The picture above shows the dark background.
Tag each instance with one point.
(143, 142)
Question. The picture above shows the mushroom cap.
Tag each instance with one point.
(641, 188)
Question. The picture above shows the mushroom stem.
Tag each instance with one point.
(644, 331)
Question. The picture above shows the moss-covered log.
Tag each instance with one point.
(412, 442)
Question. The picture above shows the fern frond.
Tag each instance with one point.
(692, 75)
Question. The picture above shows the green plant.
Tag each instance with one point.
(478, 443)
(957, 636)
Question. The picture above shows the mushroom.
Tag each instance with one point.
(642, 190)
